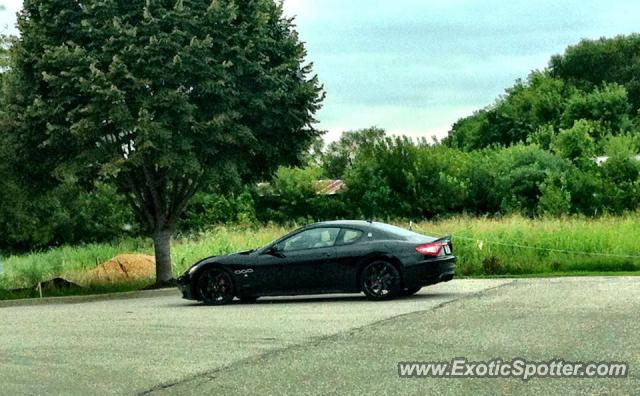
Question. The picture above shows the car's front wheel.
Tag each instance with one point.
(215, 287)
(380, 280)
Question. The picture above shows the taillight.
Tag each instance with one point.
(431, 249)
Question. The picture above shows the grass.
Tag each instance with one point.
(484, 246)
(24, 271)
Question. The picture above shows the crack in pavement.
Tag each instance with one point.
(315, 341)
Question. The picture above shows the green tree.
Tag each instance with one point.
(206, 209)
(523, 172)
(595, 80)
(293, 190)
(523, 109)
(620, 174)
(160, 98)
(402, 178)
(608, 105)
(589, 63)
(576, 143)
(555, 199)
(340, 155)
(543, 136)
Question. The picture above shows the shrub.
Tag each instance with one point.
(492, 266)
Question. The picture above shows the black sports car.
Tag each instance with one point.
(381, 260)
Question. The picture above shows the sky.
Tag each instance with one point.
(414, 67)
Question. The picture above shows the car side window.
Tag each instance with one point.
(310, 239)
(350, 236)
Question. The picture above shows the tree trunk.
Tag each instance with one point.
(162, 247)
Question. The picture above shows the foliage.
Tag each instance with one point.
(63, 215)
(525, 107)
(293, 197)
(611, 60)
(555, 198)
(608, 106)
(483, 245)
(206, 210)
(620, 176)
(339, 155)
(399, 178)
(596, 81)
(160, 98)
(522, 171)
(576, 143)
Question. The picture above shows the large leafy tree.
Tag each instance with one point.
(611, 60)
(160, 97)
(595, 80)
(524, 108)
(340, 155)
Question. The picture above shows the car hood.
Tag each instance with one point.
(222, 259)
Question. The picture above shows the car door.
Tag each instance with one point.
(350, 249)
(299, 261)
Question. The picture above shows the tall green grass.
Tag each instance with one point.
(516, 245)
(26, 270)
(484, 246)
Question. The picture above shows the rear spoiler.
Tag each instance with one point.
(444, 239)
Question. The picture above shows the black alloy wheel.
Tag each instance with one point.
(215, 287)
(380, 280)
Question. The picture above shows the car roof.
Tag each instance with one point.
(345, 223)
(382, 229)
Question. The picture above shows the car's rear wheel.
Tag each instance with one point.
(410, 291)
(215, 287)
(380, 280)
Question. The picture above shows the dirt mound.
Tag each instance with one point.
(124, 267)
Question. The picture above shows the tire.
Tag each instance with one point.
(380, 280)
(410, 291)
(215, 287)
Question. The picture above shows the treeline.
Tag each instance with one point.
(532, 152)
(401, 178)
(593, 87)
(564, 141)
(386, 178)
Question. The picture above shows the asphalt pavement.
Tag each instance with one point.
(339, 344)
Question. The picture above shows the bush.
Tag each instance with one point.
(576, 143)
(206, 210)
(521, 173)
(555, 199)
(64, 215)
(492, 266)
(292, 197)
(398, 178)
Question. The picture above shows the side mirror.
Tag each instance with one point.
(275, 251)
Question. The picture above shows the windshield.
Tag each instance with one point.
(263, 248)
